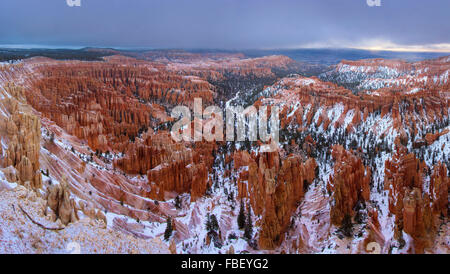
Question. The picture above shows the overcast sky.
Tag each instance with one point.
(228, 24)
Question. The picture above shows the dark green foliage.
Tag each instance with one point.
(232, 236)
(305, 186)
(46, 172)
(248, 232)
(178, 202)
(212, 226)
(169, 229)
(211, 223)
(347, 226)
(241, 216)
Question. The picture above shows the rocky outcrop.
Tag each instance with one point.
(178, 177)
(22, 131)
(375, 236)
(430, 138)
(20, 233)
(402, 175)
(415, 208)
(219, 69)
(349, 184)
(172, 168)
(65, 208)
(110, 105)
(274, 189)
(114, 108)
(386, 89)
(439, 186)
(59, 201)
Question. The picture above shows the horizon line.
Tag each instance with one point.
(72, 47)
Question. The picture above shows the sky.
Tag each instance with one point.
(404, 25)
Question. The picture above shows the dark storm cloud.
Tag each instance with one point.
(223, 23)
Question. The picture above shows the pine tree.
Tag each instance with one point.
(248, 226)
(214, 224)
(178, 202)
(169, 229)
(208, 223)
(347, 225)
(241, 216)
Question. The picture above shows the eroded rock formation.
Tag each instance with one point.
(274, 189)
(22, 132)
(349, 184)
(415, 208)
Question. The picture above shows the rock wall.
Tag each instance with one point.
(415, 208)
(349, 184)
(439, 185)
(274, 188)
(22, 132)
(387, 89)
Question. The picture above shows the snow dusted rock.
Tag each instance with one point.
(4, 183)
(19, 234)
(58, 199)
(377, 74)
(375, 235)
(10, 174)
(416, 208)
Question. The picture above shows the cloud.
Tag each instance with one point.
(228, 24)
(378, 45)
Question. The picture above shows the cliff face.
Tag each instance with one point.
(110, 105)
(409, 95)
(349, 184)
(181, 170)
(369, 108)
(113, 108)
(415, 207)
(219, 69)
(439, 185)
(114, 105)
(274, 188)
(382, 75)
(22, 132)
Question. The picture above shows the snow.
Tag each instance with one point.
(312, 224)
(414, 90)
(19, 235)
(295, 108)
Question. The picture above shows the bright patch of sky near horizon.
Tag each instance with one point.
(409, 25)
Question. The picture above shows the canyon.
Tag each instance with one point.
(363, 155)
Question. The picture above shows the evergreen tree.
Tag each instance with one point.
(241, 216)
(169, 229)
(248, 226)
(178, 202)
(347, 225)
(211, 223)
